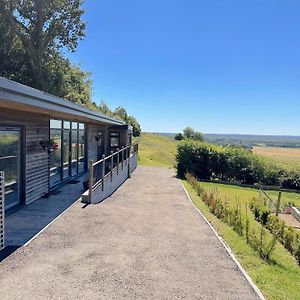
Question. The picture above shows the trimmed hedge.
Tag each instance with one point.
(208, 161)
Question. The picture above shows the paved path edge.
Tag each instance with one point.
(227, 248)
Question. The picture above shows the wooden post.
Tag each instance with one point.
(118, 160)
(103, 171)
(129, 171)
(278, 204)
(122, 157)
(91, 180)
(111, 164)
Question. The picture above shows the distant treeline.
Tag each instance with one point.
(249, 141)
(231, 163)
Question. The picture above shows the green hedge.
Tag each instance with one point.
(209, 161)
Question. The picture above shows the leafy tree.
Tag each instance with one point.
(178, 136)
(104, 108)
(32, 35)
(120, 112)
(43, 28)
(188, 133)
(198, 136)
(77, 86)
(136, 127)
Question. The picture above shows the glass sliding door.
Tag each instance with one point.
(81, 160)
(66, 154)
(74, 162)
(10, 161)
(55, 156)
(69, 158)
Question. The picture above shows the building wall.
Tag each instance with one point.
(92, 144)
(36, 162)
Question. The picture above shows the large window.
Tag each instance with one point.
(69, 158)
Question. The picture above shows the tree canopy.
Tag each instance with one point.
(189, 133)
(33, 34)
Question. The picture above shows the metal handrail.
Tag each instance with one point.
(92, 184)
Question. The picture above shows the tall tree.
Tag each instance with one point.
(43, 27)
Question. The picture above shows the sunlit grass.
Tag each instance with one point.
(278, 279)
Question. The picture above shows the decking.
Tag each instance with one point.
(146, 241)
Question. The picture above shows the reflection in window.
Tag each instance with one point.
(68, 160)
(81, 165)
(55, 157)
(74, 162)
(114, 139)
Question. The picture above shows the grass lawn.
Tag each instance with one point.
(278, 279)
(156, 150)
(233, 193)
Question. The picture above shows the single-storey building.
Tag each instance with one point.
(46, 141)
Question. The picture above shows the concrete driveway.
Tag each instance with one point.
(144, 242)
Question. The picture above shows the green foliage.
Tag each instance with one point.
(289, 235)
(260, 210)
(39, 30)
(190, 133)
(276, 226)
(208, 161)
(33, 34)
(280, 268)
(121, 113)
(178, 136)
(233, 216)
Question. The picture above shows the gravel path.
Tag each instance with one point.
(144, 242)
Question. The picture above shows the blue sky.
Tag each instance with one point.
(218, 66)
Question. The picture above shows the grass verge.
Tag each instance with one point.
(278, 279)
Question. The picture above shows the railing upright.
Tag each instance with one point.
(122, 157)
(103, 171)
(2, 211)
(124, 152)
(129, 171)
(91, 179)
(111, 164)
(118, 160)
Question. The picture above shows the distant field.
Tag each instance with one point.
(286, 156)
(157, 150)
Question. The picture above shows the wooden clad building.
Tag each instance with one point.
(46, 141)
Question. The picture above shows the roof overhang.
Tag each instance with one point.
(14, 95)
(121, 127)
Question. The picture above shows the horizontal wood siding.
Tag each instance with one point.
(37, 162)
(92, 131)
(35, 128)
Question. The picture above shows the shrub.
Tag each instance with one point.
(276, 226)
(261, 243)
(261, 211)
(209, 161)
(288, 238)
(297, 248)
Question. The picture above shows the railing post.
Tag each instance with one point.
(122, 157)
(2, 211)
(118, 160)
(91, 180)
(129, 170)
(278, 204)
(103, 171)
(111, 164)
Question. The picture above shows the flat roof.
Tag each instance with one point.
(14, 92)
